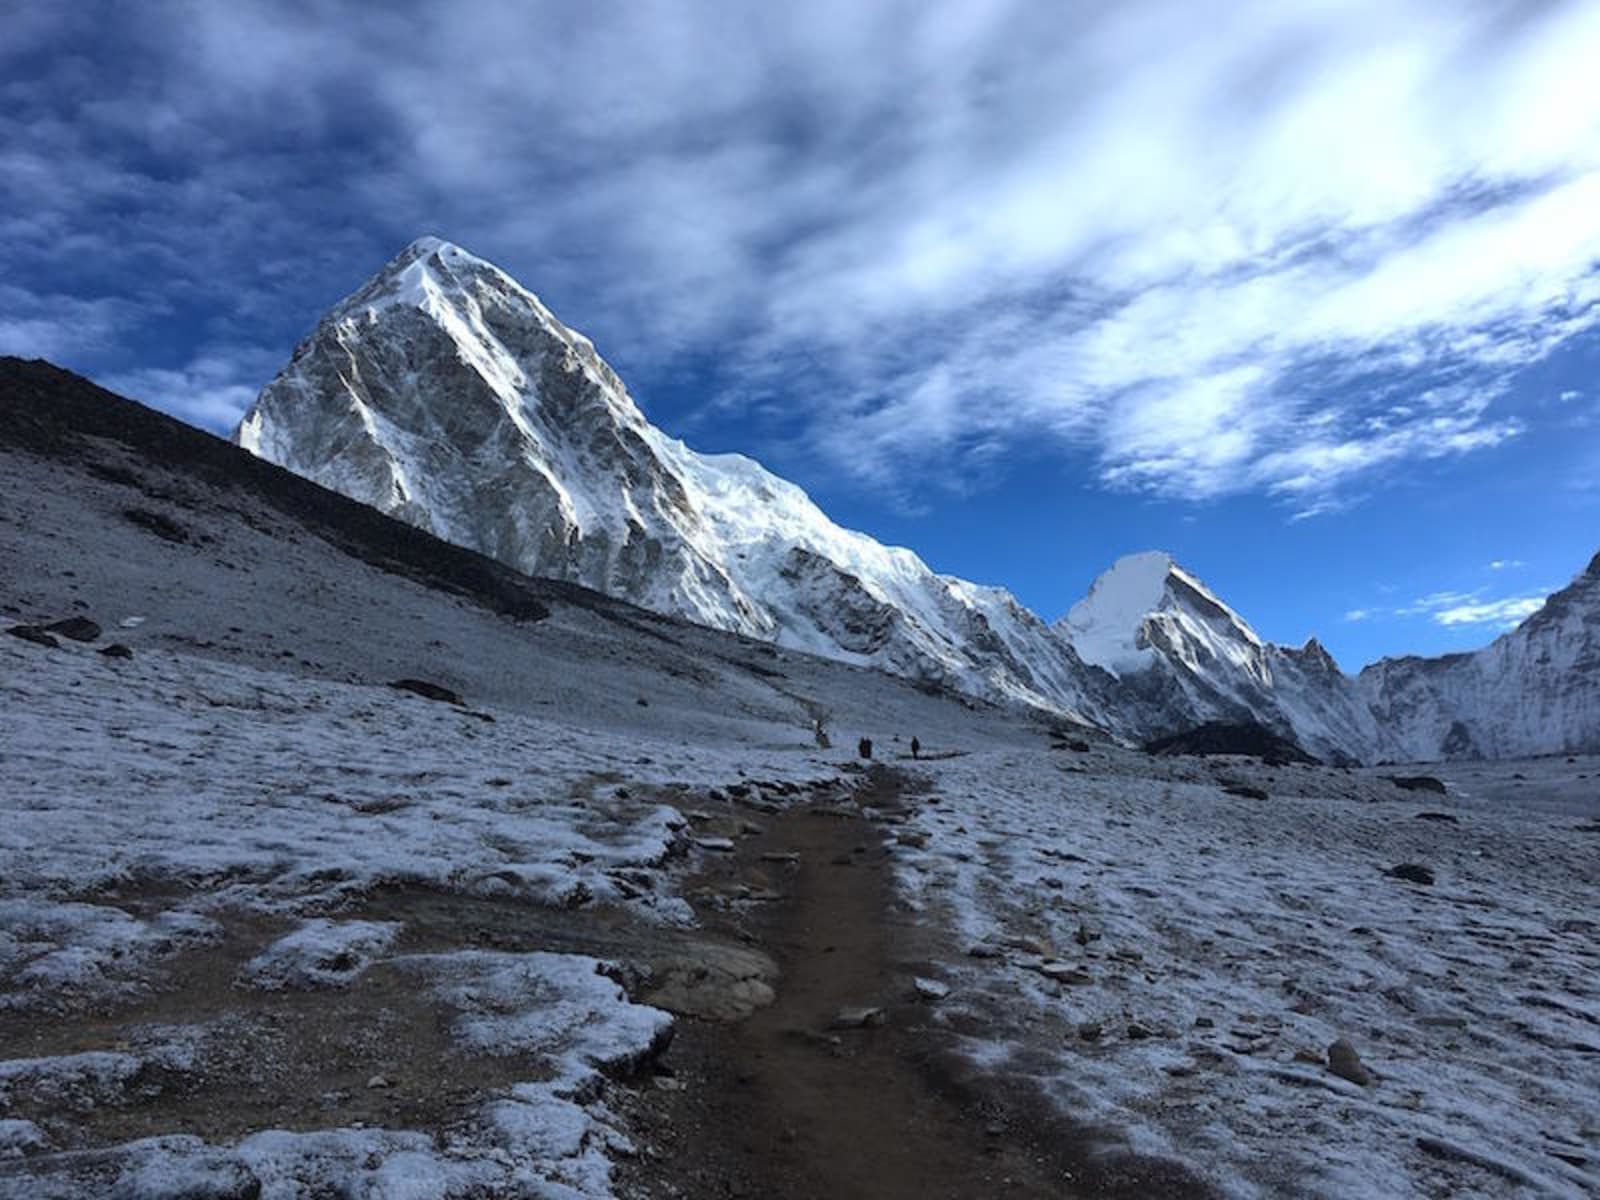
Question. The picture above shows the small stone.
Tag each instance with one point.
(1060, 972)
(429, 691)
(930, 989)
(1090, 1031)
(79, 629)
(863, 1017)
(714, 843)
(1418, 783)
(1309, 1057)
(1204, 1023)
(117, 650)
(1411, 873)
(1029, 945)
(912, 838)
(378, 1081)
(788, 857)
(32, 633)
(1138, 1032)
(983, 950)
(1344, 1062)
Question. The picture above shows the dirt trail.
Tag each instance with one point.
(782, 1105)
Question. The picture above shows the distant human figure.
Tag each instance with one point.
(916, 748)
(865, 748)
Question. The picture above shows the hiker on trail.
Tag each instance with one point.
(865, 748)
(916, 748)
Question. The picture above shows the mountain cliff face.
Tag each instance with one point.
(1535, 690)
(445, 394)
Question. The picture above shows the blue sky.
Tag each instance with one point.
(1307, 294)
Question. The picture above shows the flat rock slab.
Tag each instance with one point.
(712, 981)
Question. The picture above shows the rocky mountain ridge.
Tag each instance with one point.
(444, 393)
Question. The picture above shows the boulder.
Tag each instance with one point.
(32, 633)
(79, 629)
(1411, 873)
(1344, 1062)
(429, 691)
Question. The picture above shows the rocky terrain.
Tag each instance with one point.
(601, 902)
(444, 393)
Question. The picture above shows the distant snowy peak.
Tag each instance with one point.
(1534, 690)
(1146, 605)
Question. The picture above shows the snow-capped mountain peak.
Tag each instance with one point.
(1147, 605)
(445, 393)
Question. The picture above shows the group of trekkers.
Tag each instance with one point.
(864, 748)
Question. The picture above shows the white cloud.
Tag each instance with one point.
(212, 391)
(1504, 614)
(1282, 248)
(1455, 608)
(1505, 564)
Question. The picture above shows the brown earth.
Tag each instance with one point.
(788, 1106)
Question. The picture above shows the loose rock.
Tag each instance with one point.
(1412, 873)
(1344, 1062)
(429, 691)
(79, 629)
(32, 633)
(1418, 783)
(862, 1017)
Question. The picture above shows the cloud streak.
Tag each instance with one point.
(1289, 249)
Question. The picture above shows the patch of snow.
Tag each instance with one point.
(321, 953)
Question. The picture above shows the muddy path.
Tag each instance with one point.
(795, 1102)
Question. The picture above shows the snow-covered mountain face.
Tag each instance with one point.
(1179, 656)
(445, 394)
(1535, 690)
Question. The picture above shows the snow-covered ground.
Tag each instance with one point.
(262, 917)
(1174, 961)
(153, 807)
